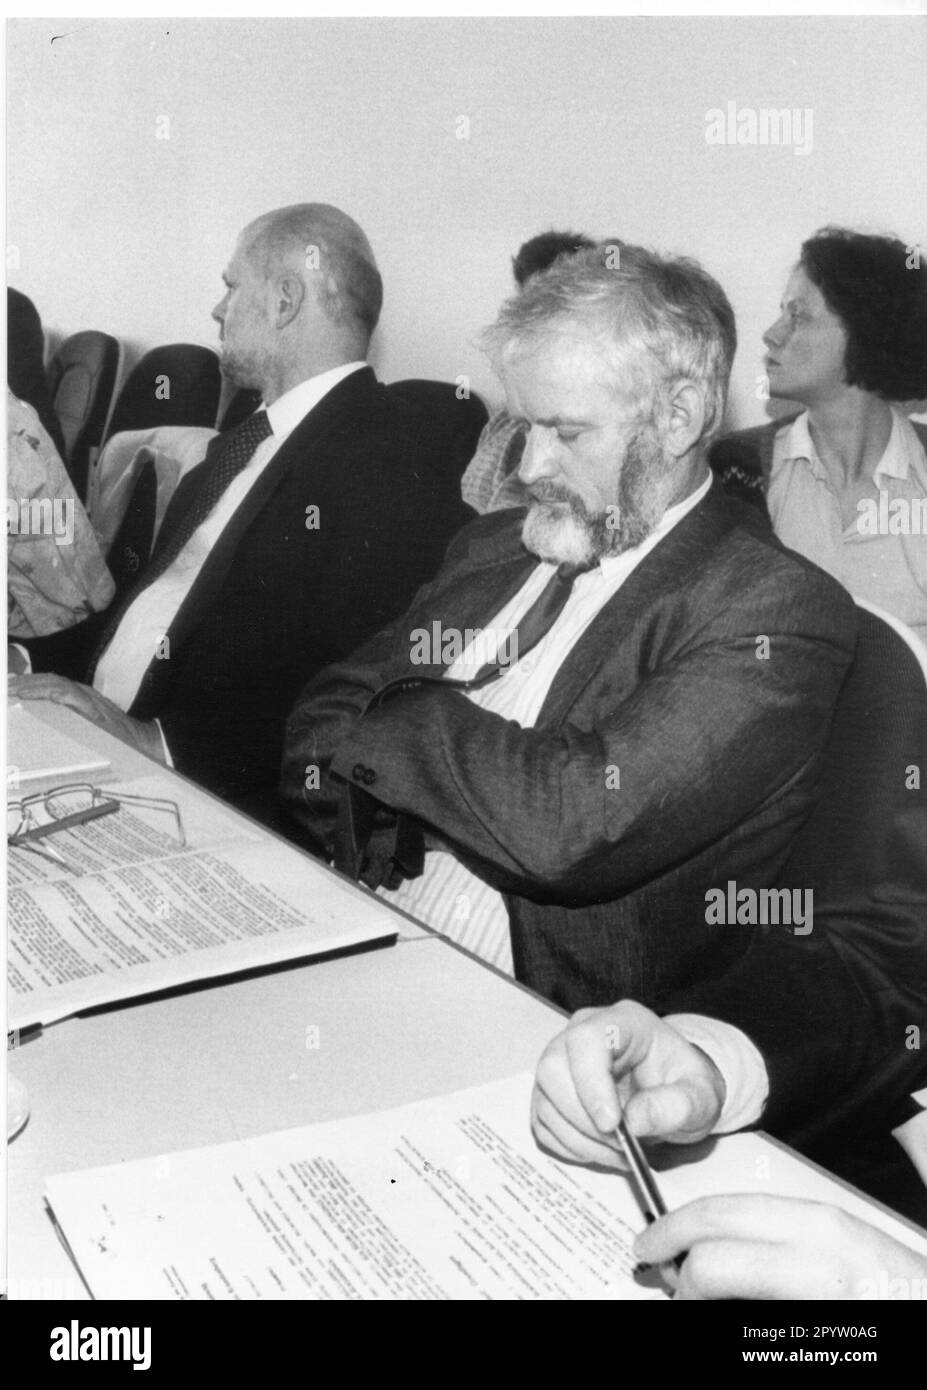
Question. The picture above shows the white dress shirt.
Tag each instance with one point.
(144, 626)
(890, 570)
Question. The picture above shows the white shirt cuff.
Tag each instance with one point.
(738, 1060)
(167, 752)
(912, 1136)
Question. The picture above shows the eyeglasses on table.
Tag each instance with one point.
(68, 807)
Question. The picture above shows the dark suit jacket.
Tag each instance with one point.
(277, 601)
(718, 751)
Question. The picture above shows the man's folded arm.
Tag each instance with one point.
(323, 718)
(584, 815)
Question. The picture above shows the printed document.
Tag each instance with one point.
(446, 1198)
(121, 909)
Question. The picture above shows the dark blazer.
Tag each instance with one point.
(278, 600)
(717, 750)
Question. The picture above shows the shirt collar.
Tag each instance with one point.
(670, 518)
(797, 442)
(292, 407)
(902, 449)
(900, 452)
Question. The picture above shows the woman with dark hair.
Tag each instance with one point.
(846, 480)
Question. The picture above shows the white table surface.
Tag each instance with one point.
(395, 1024)
(223, 1061)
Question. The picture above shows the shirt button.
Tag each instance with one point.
(369, 777)
(358, 772)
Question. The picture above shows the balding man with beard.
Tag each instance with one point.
(301, 532)
(604, 704)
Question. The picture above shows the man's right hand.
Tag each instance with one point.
(669, 1089)
(752, 1246)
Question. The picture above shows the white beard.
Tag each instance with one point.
(562, 530)
(557, 535)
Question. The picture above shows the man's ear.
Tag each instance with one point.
(686, 423)
(289, 293)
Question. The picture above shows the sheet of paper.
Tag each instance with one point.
(445, 1198)
(144, 915)
(35, 752)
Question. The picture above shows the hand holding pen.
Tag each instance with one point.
(622, 1059)
(615, 1076)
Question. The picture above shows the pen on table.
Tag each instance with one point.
(39, 832)
(652, 1203)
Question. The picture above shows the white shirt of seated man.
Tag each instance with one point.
(121, 668)
(142, 630)
(287, 331)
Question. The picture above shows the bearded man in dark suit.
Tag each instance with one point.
(298, 535)
(661, 730)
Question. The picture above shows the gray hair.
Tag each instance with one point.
(320, 241)
(661, 318)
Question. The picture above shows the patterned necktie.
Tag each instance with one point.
(235, 453)
(533, 626)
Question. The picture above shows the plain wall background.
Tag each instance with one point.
(592, 124)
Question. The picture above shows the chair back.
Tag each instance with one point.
(81, 379)
(177, 384)
(459, 422)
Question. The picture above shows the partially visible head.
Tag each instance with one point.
(302, 293)
(618, 362)
(542, 251)
(854, 315)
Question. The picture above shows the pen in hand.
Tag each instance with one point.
(649, 1195)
